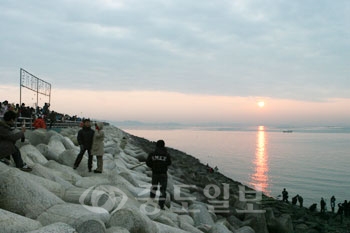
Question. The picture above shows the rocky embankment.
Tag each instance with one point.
(56, 198)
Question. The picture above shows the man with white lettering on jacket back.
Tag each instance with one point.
(158, 161)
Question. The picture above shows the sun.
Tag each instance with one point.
(261, 104)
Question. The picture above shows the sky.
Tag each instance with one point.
(182, 61)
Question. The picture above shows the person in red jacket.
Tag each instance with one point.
(39, 123)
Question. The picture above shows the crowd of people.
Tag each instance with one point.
(40, 116)
(343, 207)
(10, 117)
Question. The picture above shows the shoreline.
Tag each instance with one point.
(312, 220)
(198, 201)
(238, 157)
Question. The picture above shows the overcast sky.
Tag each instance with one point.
(255, 49)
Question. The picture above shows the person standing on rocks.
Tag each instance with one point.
(123, 142)
(8, 140)
(323, 205)
(295, 199)
(333, 203)
(300, 200)
(340, 212)
(52, 118)
(158, 161)
(346, 208)
(216, 169)
(85, 138)
(98, 146)
(285, 195)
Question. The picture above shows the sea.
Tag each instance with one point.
(313, 162)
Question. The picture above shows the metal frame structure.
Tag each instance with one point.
(35, 84)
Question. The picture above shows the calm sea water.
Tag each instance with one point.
(311, 162)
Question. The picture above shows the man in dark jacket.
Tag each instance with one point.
(8, 139)
(158, 161)
(85, 137)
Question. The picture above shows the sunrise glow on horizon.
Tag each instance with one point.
(158, 106)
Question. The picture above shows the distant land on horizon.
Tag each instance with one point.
(138, 125)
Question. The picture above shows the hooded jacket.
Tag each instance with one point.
(8, 139)
(97, 143)
(159, 160)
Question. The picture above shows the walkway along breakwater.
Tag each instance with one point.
(56, 198)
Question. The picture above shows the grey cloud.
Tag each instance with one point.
(285, 49)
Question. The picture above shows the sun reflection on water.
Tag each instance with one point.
(260, 180)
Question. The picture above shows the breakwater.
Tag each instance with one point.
(56, 198)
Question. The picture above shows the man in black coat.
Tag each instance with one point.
(85, 137)
(158, 161)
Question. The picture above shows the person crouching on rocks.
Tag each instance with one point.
(8, 140)
(98, 146)
(39, 123)
(158, 161)
(85, 137)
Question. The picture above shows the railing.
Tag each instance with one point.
(24, 121)
(28, 123)
(66, 124)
